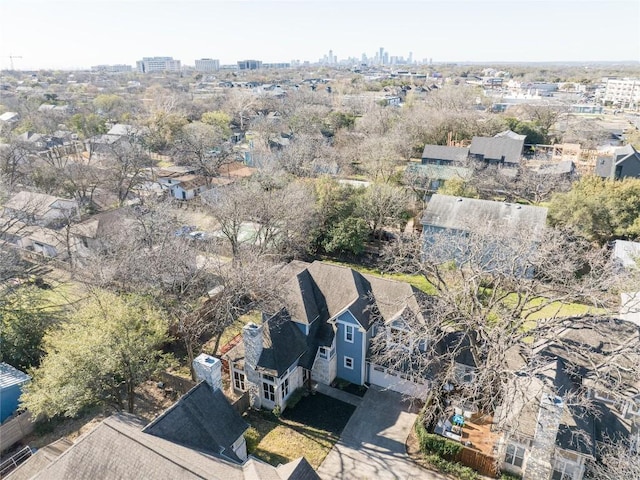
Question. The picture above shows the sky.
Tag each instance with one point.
(77, 34)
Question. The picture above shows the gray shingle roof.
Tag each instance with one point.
(439, 172)
(604, 167)
(442, 152)
(283, 343)
(504, 149)
(457, 213)
(117, 449)
(203, 420)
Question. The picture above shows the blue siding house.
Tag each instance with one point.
(11, 383)
(334, 310)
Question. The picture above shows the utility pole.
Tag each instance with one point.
(11, 57)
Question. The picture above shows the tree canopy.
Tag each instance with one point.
(100, 355)
(601, 210)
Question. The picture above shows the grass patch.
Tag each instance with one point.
(417, 281)
(557, 309)
(310, 429)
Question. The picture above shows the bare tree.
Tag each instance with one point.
(204, 147)
(125, 163)
(249, 283)
(382, 205)
(497, 295)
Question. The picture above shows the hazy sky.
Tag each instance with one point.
(72, 34)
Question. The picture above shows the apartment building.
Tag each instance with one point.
(623, 92)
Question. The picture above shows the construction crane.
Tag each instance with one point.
(11, 57)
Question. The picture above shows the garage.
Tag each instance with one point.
(392, 380)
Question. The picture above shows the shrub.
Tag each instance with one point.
(431, 443)
(277, 411)
(252, 437)
(509, 476)
(454, 468)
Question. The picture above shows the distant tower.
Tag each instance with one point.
(381, 55)
(330, 56)
(410, 58)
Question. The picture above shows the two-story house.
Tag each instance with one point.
(324, 332)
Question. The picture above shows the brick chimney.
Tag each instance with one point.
(209, 369)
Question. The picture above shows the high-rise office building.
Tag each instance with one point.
(249, 64)
(207, 65)
(158, 64)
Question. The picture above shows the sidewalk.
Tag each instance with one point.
(339, 394)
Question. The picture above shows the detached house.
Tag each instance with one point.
(624, 163)
(324, 332)
(199, 437)
(546, 433)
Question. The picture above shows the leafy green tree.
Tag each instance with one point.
(98, 357)
(533, 132)
(87, 125)
(347, 236)
(600, 210)
(457, 187)
(382, 205)
(218, 119)
(24, 320)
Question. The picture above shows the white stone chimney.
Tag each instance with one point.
(540, 461)
(252, 339)
(209, 369)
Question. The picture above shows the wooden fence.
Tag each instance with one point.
(483, 464)
(15, 429)
(241, 405)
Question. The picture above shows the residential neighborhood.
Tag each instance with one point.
(234, 246)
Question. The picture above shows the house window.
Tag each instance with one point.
(323, 353)
(348, 363)
(238, 380)
(515, 455)
(268, 378)
(563, 469)
(285, 388)
(269, 391)
(348, 333)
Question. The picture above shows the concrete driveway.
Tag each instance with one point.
(372, 445)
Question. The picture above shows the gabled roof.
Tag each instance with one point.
(117, 449)
(510, 134)
(606, 166)
(101, 224)
(497, 148)
(458, 213)
(283, 343)
(191, 182)
(627, 253)
(442, 152)
(34, 203)
(329, 290)
(203, 420)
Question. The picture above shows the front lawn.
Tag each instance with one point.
(310, 429)
(418, 281)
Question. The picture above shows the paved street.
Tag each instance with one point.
(372, 445)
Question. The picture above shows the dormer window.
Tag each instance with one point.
(323, 353)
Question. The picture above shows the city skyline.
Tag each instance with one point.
(77, 35)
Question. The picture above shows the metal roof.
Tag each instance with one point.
(10, 376)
